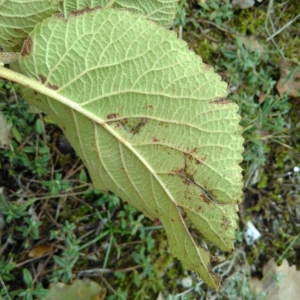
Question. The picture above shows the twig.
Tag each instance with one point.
(107, 270)
(204, 34)
(4, 288)
(282, 28)
(8, 241)
(267, 29)
(222, 28)
(41, 269)
(108, 285)
(29, 260)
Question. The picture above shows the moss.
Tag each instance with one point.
(248, 21)
(263, 182)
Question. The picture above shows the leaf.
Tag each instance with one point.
(78, 290)
(148, 119)
(19, 17)
(160, 11)
(289, 81)
(280, 282)
(253, 44)
(40, 250)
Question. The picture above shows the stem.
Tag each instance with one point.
(9, 57)
(41, 88)
(36, 86)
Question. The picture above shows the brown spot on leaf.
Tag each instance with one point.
(178, 171)
(204, 198)
(27, 47)
(112, 116)
(194, 150)
(203, 158)
(42, 78)
(154, 139)
(199, 208)
(163, 124)
(189, 157)
(186, 181)
(82, 11)
(187, 178)
(49, 85)
(136, 129)
(225, 223)
(181, 174)
(52, 86)
(187, 195)
(200, 160)
(221, 101)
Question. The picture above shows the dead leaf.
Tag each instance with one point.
(78, 290)
(40, 250)
(252, 44)
(280, 282)
(289, 81)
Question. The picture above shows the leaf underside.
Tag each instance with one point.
(78, 290)
(19, 17)
(160, 11)
(148, 120)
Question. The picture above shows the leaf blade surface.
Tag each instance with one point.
(144, 113)
(19, 17)
(160, 11)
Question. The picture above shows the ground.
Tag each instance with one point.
(65, 227)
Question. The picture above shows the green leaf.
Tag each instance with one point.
(148, 119)
(39, 126)
(16, 134)
(19, 17)
(160, 11)
(27, 278)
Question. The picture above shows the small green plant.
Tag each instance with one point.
(217, 11)
(149, 120)
(30, 292)
(263, 112)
